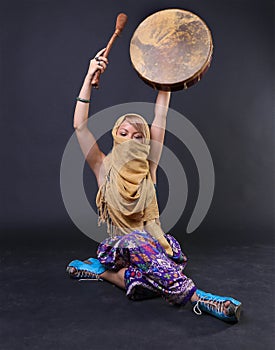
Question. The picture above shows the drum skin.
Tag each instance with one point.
(171, 49)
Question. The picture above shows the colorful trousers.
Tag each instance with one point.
(150, 272)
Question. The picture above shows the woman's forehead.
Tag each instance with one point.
(126, 125)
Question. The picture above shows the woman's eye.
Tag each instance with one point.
(123, 134)
(138, 136)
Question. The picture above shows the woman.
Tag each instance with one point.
(138, 256)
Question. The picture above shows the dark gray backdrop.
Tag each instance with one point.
(45, 49)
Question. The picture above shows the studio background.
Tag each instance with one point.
(46, 46)
(46, 49)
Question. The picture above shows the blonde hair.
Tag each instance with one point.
(138, 122)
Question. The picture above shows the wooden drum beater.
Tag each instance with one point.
(120, 24)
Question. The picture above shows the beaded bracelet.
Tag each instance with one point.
(83, 100)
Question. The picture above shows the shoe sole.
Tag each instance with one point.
(238, 312)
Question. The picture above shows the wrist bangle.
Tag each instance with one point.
(83, 100)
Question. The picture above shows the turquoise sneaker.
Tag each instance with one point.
(213, 304)
(90, 270)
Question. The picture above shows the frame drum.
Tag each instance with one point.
(171, 49)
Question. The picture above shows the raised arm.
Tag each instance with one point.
(158, 131)
(94, 156)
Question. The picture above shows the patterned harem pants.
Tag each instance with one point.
(150, 271)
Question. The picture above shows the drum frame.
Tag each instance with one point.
(182, 85)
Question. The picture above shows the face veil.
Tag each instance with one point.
(126, 200)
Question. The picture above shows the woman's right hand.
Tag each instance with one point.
(99, 62)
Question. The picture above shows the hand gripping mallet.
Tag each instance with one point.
(120, 24)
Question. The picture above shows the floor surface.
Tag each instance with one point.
(41, 308)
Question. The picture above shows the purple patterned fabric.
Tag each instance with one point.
(150, 271)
